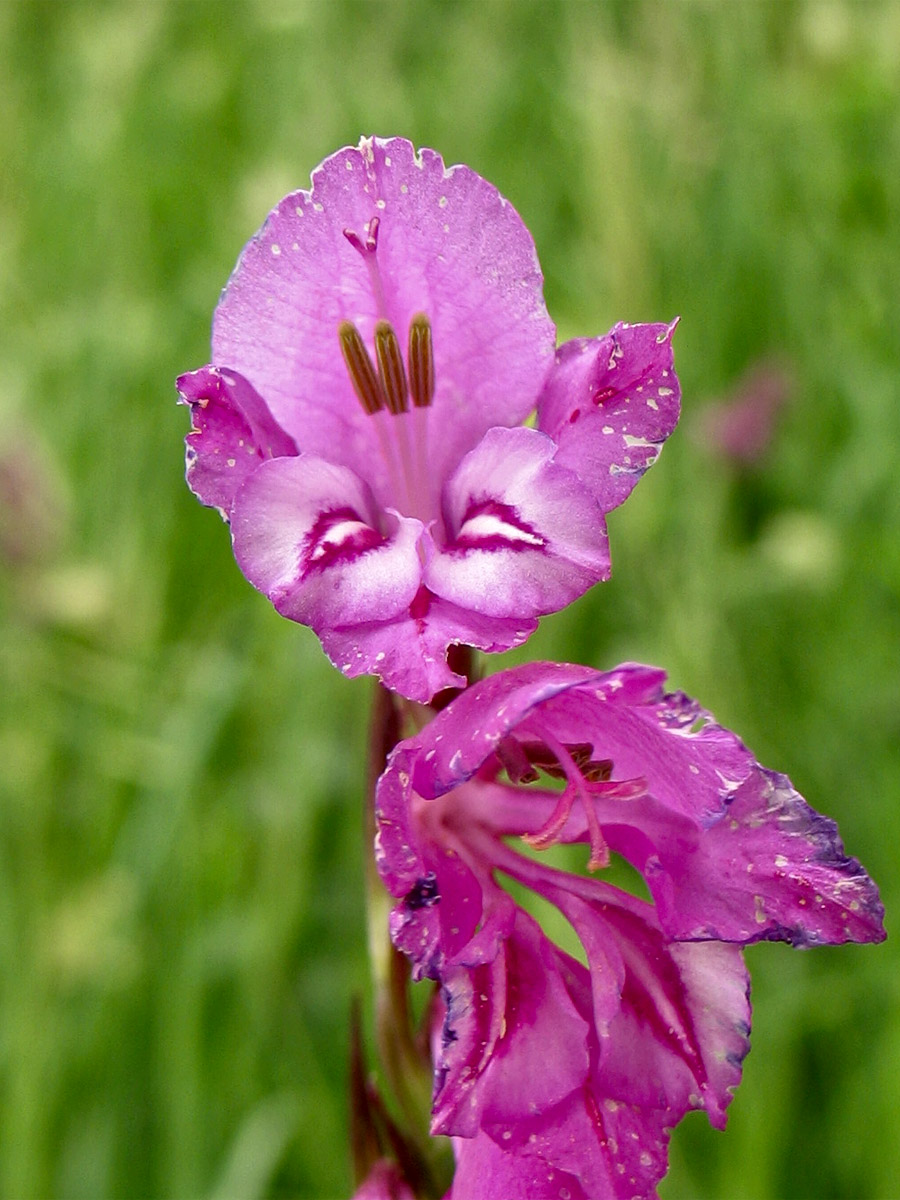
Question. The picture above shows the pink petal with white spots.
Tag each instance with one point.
(610, 403)
(232, 433)
(408, 652)
(484, 1171)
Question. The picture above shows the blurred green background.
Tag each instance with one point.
(181, 841)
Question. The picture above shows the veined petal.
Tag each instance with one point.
(610, 403)
(671, 1029)
(307, 533)
(232, 433)
(501, 1018)
(446, 243)
(524, 536)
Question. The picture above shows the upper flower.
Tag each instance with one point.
(564, 1077)
(375, 353)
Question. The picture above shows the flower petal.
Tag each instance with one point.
(671, 1028)
(501, 1018)
(614, 1150)
(409, 652)
(610, 403)
(770, 869)
(232, 433)
(486, 1172)
(525, 537)
(308, 535)
(447, 244)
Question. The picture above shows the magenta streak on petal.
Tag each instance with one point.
(338, 535)
(489, 524)
(652, 989)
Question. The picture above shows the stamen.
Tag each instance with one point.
(516, 761)
(390, 368)
(576, 788)
(359, 366)
(420, 359)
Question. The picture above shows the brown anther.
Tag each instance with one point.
(597, 771)
(543, 758)
(359, 367)
(390, 368)
(420, 360)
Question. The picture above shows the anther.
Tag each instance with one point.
(420, 360)
(359, 366)
(390, 368)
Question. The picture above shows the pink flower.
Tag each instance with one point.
(375, 354)
(557, 1077)
(741, 427)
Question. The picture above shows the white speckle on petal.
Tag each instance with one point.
(379, 204)
(443, 202)
(319, 207)
(665, 391)
(275, 248)
(607, 429)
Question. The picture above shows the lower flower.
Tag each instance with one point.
(562, 1076)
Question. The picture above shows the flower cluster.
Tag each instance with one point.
(408, 463)
(656, 1020)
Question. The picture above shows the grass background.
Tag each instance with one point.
(181, 840)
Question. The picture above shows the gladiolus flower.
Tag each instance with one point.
(558, 1076)
(375, 355)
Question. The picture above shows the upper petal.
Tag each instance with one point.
(448, 244)
(232, 433)
(610, 403)
(307, 533)
(524, 537)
